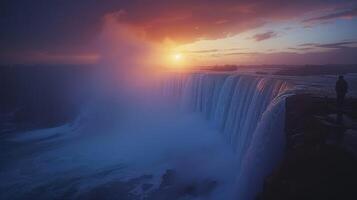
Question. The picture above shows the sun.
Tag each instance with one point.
(177, 57)
(176, 60)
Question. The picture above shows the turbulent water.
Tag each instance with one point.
(201, 136)
(249, 113)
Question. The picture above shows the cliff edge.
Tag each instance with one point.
(320, 160)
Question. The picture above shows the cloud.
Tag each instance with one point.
(213, 51)
(44, 23)
(241, 53)
(336, 45)
(264, 36)
(301, 49)
(334, 56)
(47, 26)
(203, 51)
(346, 14)
(185, 21)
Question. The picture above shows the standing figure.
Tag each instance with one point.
(341, 90)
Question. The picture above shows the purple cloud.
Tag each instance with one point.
(336, 45)
(301, 49)
(338, 15)
(214, 50)
(264, 36)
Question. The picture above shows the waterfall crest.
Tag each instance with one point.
(249, 112)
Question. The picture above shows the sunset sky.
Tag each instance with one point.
(198, 32)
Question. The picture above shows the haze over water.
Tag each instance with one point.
(160, 99)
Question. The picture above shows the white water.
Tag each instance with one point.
(229, 129)
(249, 113)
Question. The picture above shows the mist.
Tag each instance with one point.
(123, 131)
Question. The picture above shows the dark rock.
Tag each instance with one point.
(146, 186)
(168, 178)
(314, 167)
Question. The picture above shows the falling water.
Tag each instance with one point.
(229, 132)
(247, 110)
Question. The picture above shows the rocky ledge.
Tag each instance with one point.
(320, 160)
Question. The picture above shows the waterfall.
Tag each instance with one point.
(249, 112)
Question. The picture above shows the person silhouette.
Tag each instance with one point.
(341, 90)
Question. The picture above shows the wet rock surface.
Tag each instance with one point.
(318, 164)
